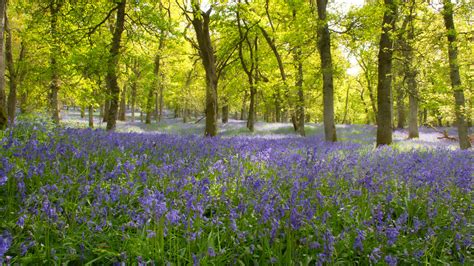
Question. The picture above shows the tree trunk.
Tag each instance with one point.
(384, 85)
(123, 105)
(300, 112)
(413, 114)
(91, 116)
(134, 99)
(225, 114)
(249, 68)
(83, 111)
(13, 76)
(158, 83)
(185, 91)
(366, 110)
(3, 109)
(410, 72)
(373, 101)
(185, 115)
(106, 110)
(400, 107)
(54, 9)
(346, 106)
(206, 51)
(324, 45)
(281, 67)
(149, 106)
(464, 142)
(112, 65)
(160, 103)
(277, 106)
(243, 112)
(251, 117)
(469, 110)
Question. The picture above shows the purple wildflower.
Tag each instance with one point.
(173, 216)
(391, 261)
(211, 252)
(375, 255)
(358, 245)
(6, 240)
(392, 235)
(3, 180)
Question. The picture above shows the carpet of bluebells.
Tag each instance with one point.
(83, 196)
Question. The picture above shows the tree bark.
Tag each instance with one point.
(123, 105)
(160, 102)
(185, 90)
(324, 45)
(346, 106)
(149, 105)
(249, 68)
(281, 67)
(251, 116)
(400, 106)
(464, 142)
(134, 97)
(200, 23)
(106, 110)
(366, 110)
(11, 110)
(300, 112)
(112, 65)
(225, 113)
(277, 106)
(410, 72)
(243, 112)
(134, 89)
(3, 109)
(384, 86)
(91, 116)
(159, 80)
(54, 8)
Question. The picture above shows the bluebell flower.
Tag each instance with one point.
(392, 235)
(3, 179)
(150, 234)
(6, 240)
(390, 260)
(358, 245)
(173, 216)
(211, 252)
(375, 255)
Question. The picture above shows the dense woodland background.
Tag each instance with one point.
(391, 63)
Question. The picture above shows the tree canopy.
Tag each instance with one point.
(277, 61)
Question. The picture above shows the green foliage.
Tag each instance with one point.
(160, 28)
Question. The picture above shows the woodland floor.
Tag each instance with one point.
(164, 195)
(357, 133)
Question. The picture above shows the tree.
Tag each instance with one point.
(54, 9)
(3, 117)
(112, 65)
(300, 112)
(12, 95)
(200, 22)
(384, 85)
(410, 71)
(281, 67)
(249, 66)
(455, 76)
(324, 46)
